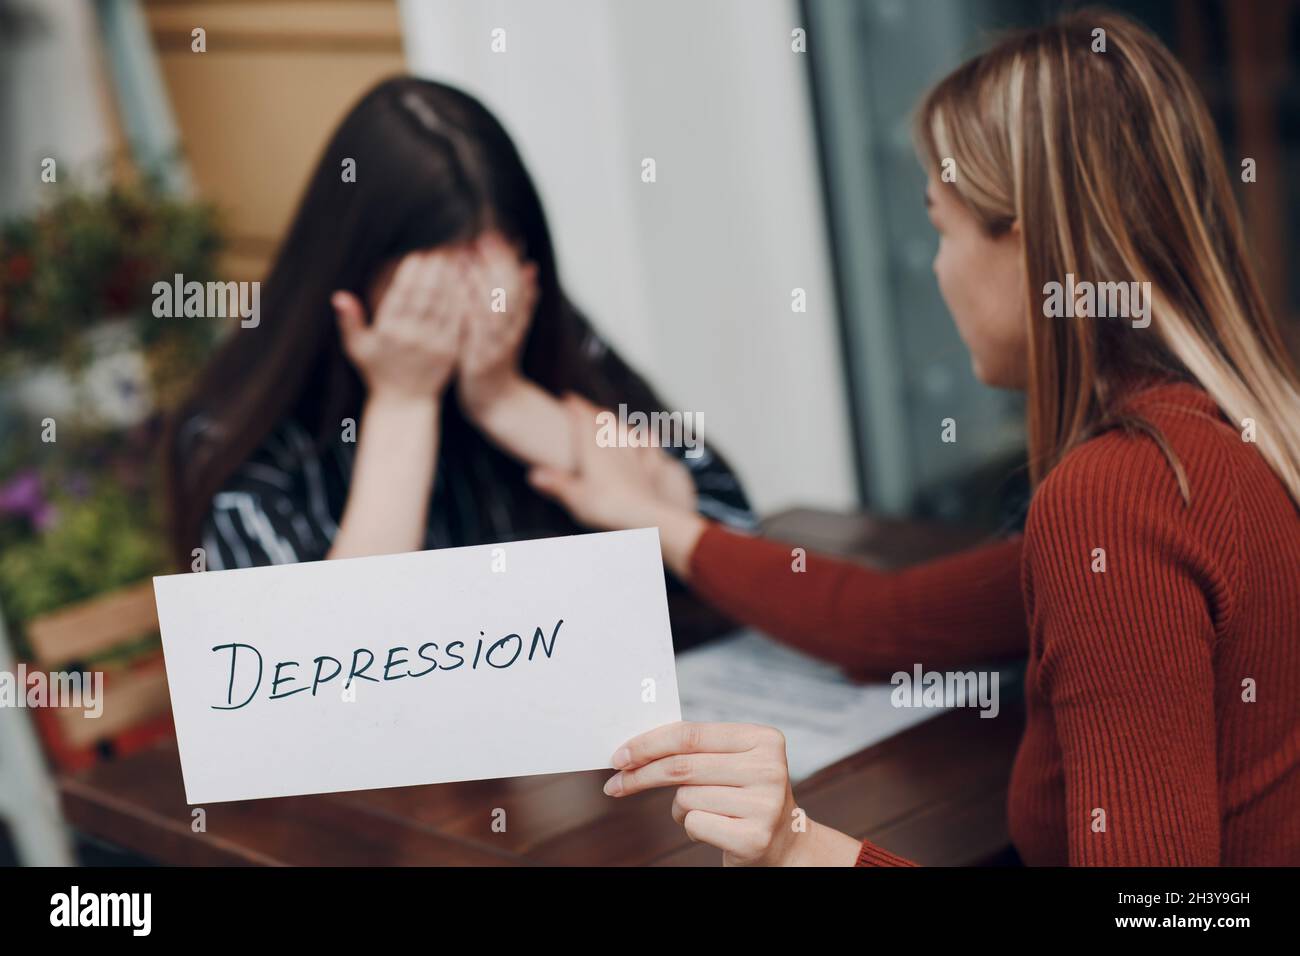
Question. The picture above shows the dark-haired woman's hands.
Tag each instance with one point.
(406, 355)
(517, 415)
(409, 350)
(501, 294)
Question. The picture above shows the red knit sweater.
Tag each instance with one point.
(1162, 694)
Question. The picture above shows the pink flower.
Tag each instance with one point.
(21, 496)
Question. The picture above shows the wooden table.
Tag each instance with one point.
(935, 793)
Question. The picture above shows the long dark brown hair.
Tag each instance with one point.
(433, 167)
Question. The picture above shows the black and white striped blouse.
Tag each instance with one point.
(284, 504)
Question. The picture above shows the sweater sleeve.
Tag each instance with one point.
(1126, 657)
(871, 855)
(944, 614)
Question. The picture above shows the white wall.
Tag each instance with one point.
(49, 102)
(690, 277)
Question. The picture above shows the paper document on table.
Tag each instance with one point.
(749, 678)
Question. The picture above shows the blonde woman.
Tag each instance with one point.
(1157, 585)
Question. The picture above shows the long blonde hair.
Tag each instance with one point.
(1102, 149)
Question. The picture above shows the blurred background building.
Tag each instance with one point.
(776, 171)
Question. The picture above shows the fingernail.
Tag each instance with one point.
(614, 785)
(622, 757)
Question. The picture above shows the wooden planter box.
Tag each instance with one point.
(136, 708)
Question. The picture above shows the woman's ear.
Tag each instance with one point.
(1016, 235)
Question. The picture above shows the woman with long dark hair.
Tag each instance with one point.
(419, 257)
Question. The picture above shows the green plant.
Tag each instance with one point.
(96, 543)
(81, 516)
(91, 256)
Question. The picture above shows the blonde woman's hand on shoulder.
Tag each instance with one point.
(613, 487)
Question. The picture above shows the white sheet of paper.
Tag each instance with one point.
(749, 678)
(553, 697)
